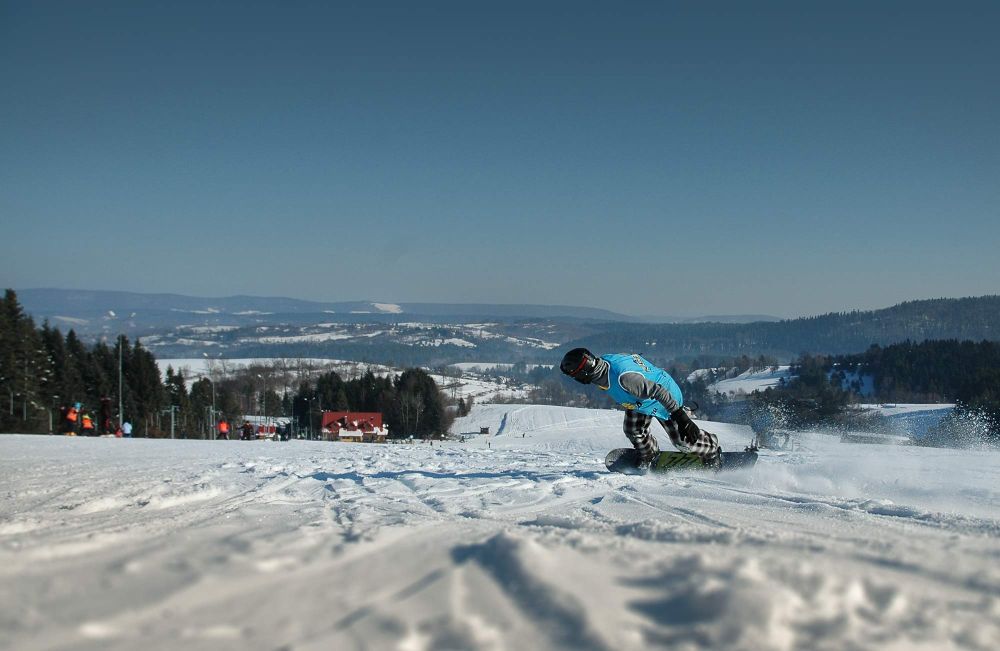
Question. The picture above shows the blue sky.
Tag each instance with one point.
(649, 158)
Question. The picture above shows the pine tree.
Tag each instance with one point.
(329, 388)
(41, 372)
(340, 402)
(25, 369)
(200, 408)
(145, 393)
(419, 406)
(76, 360)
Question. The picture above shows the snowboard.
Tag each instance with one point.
(623, 460)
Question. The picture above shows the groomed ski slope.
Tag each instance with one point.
(518, 540)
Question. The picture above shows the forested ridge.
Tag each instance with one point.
(950, 370)
(839, 333)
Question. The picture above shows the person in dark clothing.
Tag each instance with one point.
(64, 423)
(646, 392)
(107, 426)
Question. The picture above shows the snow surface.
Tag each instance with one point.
(198, 367)
(467, 386)
(904, 409)
(71, 320)
(313, 338)
(482, 367)
(753, 380)
(520, 540)
(481, 390)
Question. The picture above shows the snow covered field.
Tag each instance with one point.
(751, 380)
(520, 540)
(468, 385)
(195, 368)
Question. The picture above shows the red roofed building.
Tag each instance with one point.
(354, 426)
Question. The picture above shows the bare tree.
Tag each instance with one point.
(411, 405)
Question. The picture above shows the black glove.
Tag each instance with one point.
(686, 429)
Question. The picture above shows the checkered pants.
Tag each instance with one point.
(637, 430)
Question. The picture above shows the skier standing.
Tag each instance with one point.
(646, 392)
(71, 418)
(87, 425)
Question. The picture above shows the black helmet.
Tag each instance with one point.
(579, 364)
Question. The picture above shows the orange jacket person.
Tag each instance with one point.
(87, 425)
(72, 415)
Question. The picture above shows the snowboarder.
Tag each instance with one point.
(646, 392)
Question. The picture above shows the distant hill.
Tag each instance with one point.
(712, 318)
(835, 333)
(431, 334)
(92, 312)
(96, 311)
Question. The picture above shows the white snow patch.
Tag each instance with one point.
(516, 540)
(753, 380)
(71, 320)
(185, 341)
(210, 310)
(900, 408)
(298, 339)
(199, 329)
(480, 367)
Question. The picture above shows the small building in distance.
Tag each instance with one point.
(269, 427)
(358, 426)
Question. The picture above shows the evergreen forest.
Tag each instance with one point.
(43, 372)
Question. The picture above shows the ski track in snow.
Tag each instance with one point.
(527, 543)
